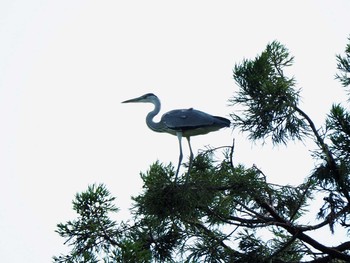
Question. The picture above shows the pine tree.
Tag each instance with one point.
(218, 215)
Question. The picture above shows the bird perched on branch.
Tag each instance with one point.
(181, 123)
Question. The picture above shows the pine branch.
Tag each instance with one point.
(335, 252)
(325, 149)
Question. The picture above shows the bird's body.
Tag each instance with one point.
(189, 122)
(181, 123)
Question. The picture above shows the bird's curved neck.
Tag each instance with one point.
(155, 126)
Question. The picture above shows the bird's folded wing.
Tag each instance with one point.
(187, 119)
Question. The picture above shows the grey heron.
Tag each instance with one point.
(181, 123)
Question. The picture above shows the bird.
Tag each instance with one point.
(181, 123)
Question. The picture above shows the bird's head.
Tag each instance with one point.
(149, 97)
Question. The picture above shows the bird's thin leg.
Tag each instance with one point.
(191, 158)
(179, 136)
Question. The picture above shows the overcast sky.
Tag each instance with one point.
(65, 66)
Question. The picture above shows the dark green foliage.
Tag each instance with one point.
(338, 123)
(343, 66)
(255, 249)
(268, 97)
(220, 211)
(93, 232)
(215, 194)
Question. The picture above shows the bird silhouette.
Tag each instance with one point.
(181, 123)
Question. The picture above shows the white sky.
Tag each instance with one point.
(65, 66)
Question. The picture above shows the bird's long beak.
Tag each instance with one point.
(132, 100)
